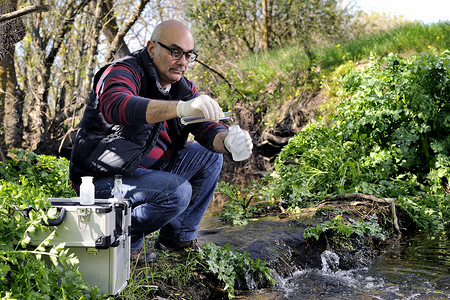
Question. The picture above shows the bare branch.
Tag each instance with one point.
(23, 11)
(232, 87)
(115, 45)
(69, 17)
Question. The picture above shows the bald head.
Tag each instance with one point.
(170, 29)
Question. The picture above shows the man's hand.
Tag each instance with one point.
(202, 106)
(239, 143)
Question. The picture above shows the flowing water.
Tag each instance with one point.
(416, 269)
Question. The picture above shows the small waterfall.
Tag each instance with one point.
(330, 261)
(251, 281)
(304, 270)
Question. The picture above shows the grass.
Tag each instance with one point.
(173, 276)
(411, 38)
(269, 79)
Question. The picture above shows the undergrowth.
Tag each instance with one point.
(269, 79)
(35, 270)
(214, 272)
(388, 139)
(345, 229)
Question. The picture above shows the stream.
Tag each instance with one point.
(417, 268)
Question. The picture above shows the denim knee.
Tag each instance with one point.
(180, 197)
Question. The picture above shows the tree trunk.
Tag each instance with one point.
(265, 25)
(43, 133)
(14, 100)
(118, 42)
(12, 30)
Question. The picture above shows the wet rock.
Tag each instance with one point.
(280, 243)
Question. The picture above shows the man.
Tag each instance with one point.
(131, 126)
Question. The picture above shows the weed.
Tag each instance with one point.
(341, 229)
(238, 209)
(231, 266)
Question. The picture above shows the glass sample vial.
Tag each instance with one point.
(118, 187)
(87, 191)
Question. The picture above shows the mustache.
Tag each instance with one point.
(180, 69)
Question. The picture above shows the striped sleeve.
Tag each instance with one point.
(117, 91)
(205, 132)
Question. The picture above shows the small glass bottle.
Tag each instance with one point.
(118, 187)
(87, 191)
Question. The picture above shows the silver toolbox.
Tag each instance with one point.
(107, 268)
(99, 235)
(94, 226)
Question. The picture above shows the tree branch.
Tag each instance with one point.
(69, 18)
(23, 11)
(390, 201)
(118, 39)
(232, 87)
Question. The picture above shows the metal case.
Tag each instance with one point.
(99, 235)
(107, 268)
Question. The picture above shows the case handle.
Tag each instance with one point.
(57, 221)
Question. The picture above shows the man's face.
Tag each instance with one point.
(169, 69)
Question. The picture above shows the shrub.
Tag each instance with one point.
(388, 138)
(39, 272)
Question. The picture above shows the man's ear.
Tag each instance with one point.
(151, 48)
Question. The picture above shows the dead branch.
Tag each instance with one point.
(350, 196)
(232, 87)
(23, 11)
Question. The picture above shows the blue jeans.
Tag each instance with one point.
(174, 200)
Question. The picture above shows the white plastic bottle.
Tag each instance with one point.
(87, 191)
(240, 152)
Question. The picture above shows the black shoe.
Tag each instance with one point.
(171, 246)
(142, 255)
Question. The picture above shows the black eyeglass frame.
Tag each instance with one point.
(191, 55)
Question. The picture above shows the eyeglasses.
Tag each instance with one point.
(177, 53)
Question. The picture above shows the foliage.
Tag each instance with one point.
(387, 138)
(340, 228)
(431, 213)
(192, 274)
(230, 266)
(35, 271)
(237, 28)
(239, 209)
(269, 79)
(48, 174)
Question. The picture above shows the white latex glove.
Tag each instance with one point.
(239, 143)
(202, 106)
